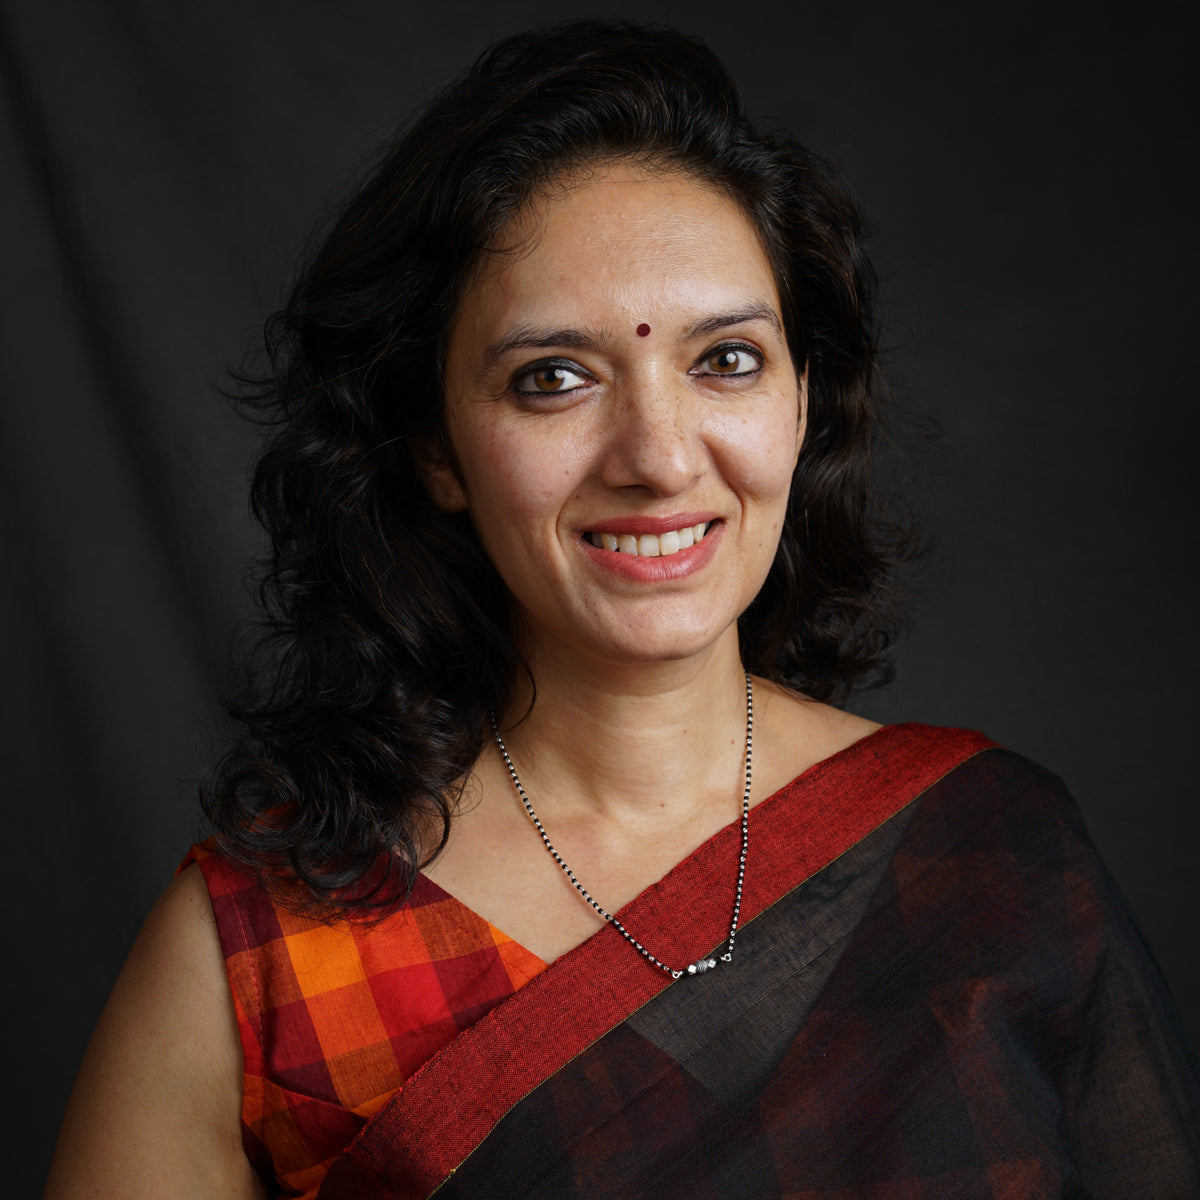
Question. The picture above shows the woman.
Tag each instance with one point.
(544, 867)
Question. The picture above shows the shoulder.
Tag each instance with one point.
(968, 789)
(173, 984)
(176, 967)
(965, 798)
(997, 846)
(995, 786)
(792, 734)
(241, 909)
(157, 1105)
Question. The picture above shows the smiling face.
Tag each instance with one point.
(625, 417)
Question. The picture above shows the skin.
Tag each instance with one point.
(633, 750)
(156, 1110)
(641, 427)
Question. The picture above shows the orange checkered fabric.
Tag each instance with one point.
(334, 1018)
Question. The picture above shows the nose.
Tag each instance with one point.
(653, 437)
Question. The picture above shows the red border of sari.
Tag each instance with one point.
(419, 1138)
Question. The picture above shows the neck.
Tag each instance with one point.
(615, 739)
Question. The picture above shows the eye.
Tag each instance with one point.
(729, 360)
(550, 378)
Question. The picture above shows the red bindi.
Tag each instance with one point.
(643, 330)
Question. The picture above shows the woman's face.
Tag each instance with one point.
(620, 382)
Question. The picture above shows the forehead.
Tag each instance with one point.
(615, 245)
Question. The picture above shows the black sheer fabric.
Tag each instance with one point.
(959, 1006)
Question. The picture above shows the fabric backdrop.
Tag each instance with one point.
(1030, 171)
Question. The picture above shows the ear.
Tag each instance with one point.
(438, 473)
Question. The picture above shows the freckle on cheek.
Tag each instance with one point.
(643, 330)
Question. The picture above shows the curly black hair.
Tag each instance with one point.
(386, 634)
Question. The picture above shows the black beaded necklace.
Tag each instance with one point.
(701, 964)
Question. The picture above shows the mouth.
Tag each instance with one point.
(651, 545)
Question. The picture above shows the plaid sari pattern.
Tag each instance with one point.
(334, 1017)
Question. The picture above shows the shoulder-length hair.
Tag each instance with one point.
(386, 637)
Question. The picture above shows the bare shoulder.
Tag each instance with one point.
(156, 1110)
(793, 733)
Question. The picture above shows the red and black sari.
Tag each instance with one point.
(937, 992)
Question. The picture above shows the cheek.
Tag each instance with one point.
(516, 476)
(763, 454)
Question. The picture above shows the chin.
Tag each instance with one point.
(674, 644)
(657, 631)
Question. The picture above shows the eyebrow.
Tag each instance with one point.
(539, 337)
(755, 311)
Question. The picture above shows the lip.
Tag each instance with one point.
(653, 525)
(637, 569)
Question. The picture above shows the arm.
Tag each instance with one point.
(1132, 1095)
(156, 1110)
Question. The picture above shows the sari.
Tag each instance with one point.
(937, 991)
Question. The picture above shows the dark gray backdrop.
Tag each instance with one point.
(1030, 171)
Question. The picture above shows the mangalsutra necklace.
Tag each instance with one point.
(701, 964)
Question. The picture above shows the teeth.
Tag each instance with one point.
(649, 546)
